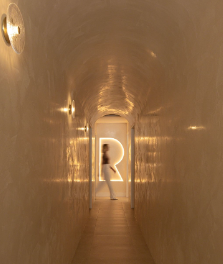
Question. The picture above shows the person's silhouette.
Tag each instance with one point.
(106, 171)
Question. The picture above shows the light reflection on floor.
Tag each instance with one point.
(112, 235)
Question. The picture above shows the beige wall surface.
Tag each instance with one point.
(93, 166)
(129, 163)
(179, 148)
(43, 155)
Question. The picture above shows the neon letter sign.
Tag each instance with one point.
(116, 154)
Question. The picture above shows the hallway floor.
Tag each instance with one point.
(112, 236)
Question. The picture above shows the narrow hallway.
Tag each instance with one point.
(154, 68)
(112, 235)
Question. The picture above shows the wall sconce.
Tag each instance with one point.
(72, 109)
(13, 29)
(86, 128)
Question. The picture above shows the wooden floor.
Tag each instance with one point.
(112, 236)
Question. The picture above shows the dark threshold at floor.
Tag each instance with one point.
(112, 236)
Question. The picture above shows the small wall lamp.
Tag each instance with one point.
(86, 128)
(72, 109)
(13, 28)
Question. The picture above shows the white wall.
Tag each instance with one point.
(179, 148)
(43, 157)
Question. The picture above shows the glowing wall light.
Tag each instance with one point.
(196, 128)
(13, 28)
(64, 109)
(86, 128)
(116, 154)
(72, 109)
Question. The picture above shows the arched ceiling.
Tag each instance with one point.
(116, 53)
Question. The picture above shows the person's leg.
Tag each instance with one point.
(107, 178)
(112, 193)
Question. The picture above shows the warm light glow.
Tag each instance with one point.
(116, 158)
(64, 109)
(65, 180)
(82, 138)
(153, 54)
(156, 111)
(196, 128)
(73, 109)
(152, 140)
(13, 30)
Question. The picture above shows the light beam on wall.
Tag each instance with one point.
(116, 154)
(196, 128)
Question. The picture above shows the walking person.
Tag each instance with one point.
(106, 167)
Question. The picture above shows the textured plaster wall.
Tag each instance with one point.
(43, 155)
(129, 162)
(179, 147)
(93, 164)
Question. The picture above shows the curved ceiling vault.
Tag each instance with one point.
(116, 53)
